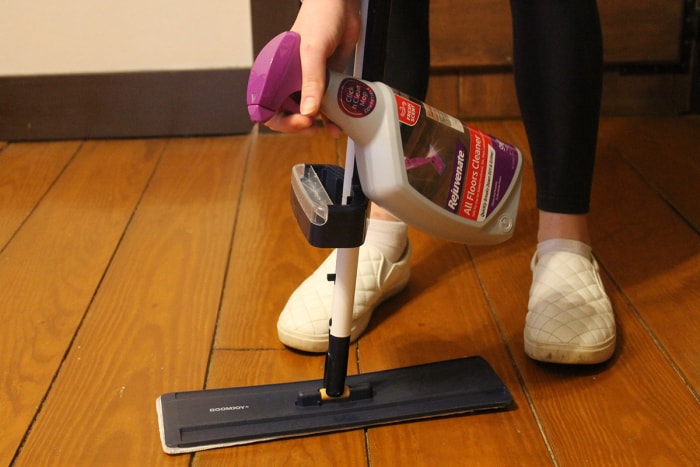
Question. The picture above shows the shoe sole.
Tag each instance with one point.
(572, 354)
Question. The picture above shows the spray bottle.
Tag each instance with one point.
(420, 164)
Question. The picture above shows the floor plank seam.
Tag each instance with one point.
(252, 139)
(41, 198)
(368, 452)
(660, 194)
(45, 396)
(518, 373)
(652, 335)
(255, 349)
(630, 304)
(88, 306)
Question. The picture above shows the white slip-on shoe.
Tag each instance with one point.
(303, 323)
(570, 318)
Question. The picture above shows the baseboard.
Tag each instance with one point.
(148, 104)
(116, 105)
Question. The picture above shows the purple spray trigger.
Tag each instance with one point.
(274, 77)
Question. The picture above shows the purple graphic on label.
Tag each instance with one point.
(505, 164)
(356, 98)
(506, 157)
(432, 158)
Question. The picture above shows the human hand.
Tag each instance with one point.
(329, 30)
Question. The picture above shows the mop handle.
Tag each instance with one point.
(346, 265)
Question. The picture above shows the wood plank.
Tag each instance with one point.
(479, 33)
(484, 95)
(487, 95)
(26, 173)
(250, 368)
(607, 413)
(150, 326)
(664, 152)
(641, 32)
(270, 256)
(473, 34)
(444, 92)
(50, 270)
(646, 94)
(490, 95)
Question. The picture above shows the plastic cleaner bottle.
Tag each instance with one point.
(420, 164)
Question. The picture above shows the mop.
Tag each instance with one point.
(331, 208)
(432, 158)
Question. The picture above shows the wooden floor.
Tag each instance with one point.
(133, 268)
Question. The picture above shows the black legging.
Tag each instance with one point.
(557, 52)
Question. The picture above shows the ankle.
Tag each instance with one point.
(563, 226)
(378, 212)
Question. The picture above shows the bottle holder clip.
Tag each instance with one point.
(316, 196)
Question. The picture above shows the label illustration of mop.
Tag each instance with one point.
(432, 158)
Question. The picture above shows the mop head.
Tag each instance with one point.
(198, 420)
(172, 450)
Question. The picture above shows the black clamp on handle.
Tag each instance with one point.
(317, 195)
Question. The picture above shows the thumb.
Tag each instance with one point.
(313, 86)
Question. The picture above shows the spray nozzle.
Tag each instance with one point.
(275, 78)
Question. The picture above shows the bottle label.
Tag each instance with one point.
(461, 169)
(356, 98)
(408, 111)
(443, 118)
(488, 167)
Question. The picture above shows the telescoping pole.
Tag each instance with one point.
(370, 56)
